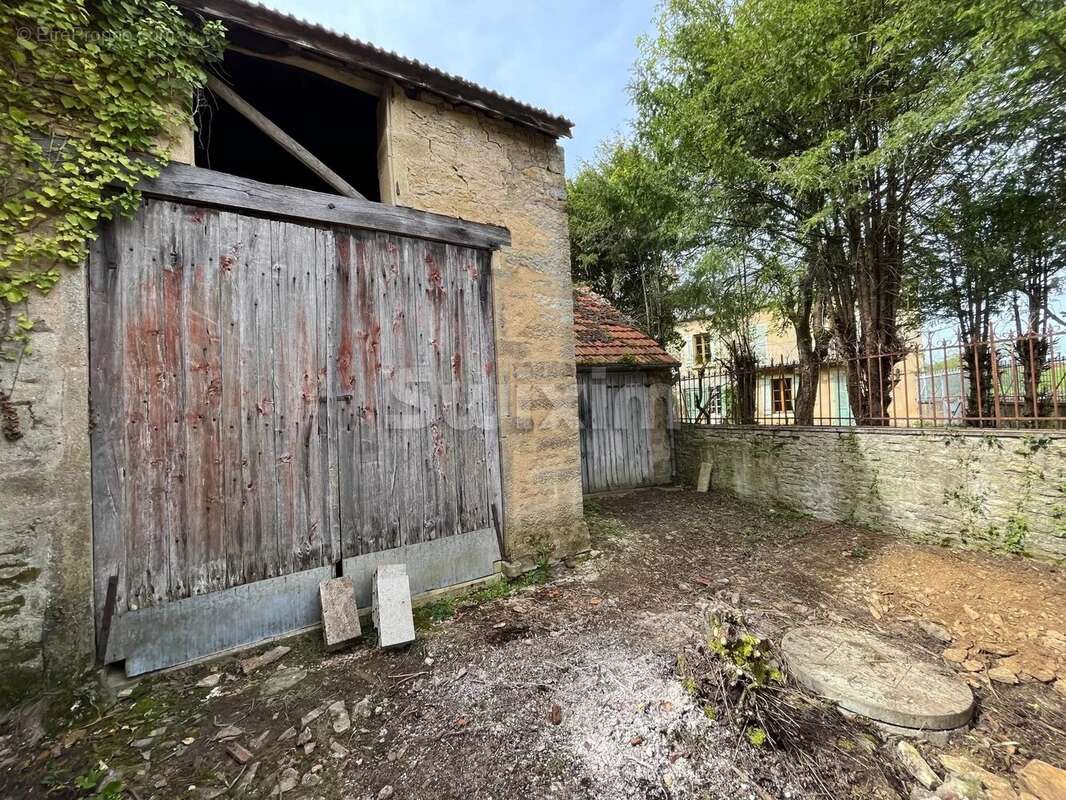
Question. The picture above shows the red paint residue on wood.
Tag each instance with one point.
(457, 365)
(435, 279)
(490, 368)
(471, 270)
(373, 349)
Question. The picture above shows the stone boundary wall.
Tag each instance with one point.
(1001, 490)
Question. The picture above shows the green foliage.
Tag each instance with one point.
(844, 155)
(750, 655)
(625, 227)
(91, 92)
(447, 607)
(95, 784)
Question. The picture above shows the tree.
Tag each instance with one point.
(965, 277)
(727, 289)
(625, 235)
(827, 126)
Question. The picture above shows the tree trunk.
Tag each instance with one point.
(812, 347)
(977, 366)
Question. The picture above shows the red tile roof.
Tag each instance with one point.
(604, 337)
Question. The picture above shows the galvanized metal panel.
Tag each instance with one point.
(434, 564)
(185, 630)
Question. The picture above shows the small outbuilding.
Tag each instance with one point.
(624, 382)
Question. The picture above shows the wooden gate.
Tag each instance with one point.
(273, 398)
(615, 413)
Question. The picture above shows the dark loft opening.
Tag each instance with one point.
(337, 123)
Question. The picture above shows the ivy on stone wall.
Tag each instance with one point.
(89, 92)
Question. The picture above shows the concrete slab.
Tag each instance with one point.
(866, 675)
(340, 615)
(703, 482)
(393, 617)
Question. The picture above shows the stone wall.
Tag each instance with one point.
(45, 511)
(1004, 490)
(662, 398)
(441, 158)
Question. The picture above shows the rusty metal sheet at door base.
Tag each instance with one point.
(195, 627)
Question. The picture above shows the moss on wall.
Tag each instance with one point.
(1001, 491)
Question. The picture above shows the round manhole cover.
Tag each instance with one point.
(866, 675)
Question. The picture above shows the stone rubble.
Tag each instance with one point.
(917, 766)
(1043, 780)
(250, 665)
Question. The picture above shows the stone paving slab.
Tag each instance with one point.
(867, 675)
(340, 616)
(393, 616)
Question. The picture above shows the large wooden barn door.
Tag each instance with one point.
(268, 399)
(615, 413)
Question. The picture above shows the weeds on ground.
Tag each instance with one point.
(448, 607)
(740, 683)
(602, 526)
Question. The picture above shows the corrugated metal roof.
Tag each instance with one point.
(604, 337)
(305, 33)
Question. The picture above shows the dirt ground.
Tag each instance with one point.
(591, 684)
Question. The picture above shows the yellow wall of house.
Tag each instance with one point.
(776, 345)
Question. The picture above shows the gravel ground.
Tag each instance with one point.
(588, 686)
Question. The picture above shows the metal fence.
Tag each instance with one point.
(1014, 382)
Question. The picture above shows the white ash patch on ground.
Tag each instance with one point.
(627, 726)
(625, 716)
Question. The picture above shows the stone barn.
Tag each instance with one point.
(624, 381)
(337, 333)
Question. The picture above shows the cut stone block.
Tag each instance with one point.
(340, 617)
(703, 483)
(393, 617)
(866, 675)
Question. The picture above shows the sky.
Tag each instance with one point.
(572, 58)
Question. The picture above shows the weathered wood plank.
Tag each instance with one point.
(345, 380)
(257, 400)
(487, 338)
(468, 376)
(300, 454)
(406, 387)
(390, 312)
(231, 427)
(170, 391)
(196, 185)
(146, 563)
(206, 553)
(325, 291)
(107, 269)
(583, 432)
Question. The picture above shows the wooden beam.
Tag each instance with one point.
(290, 145)
(183, 183)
